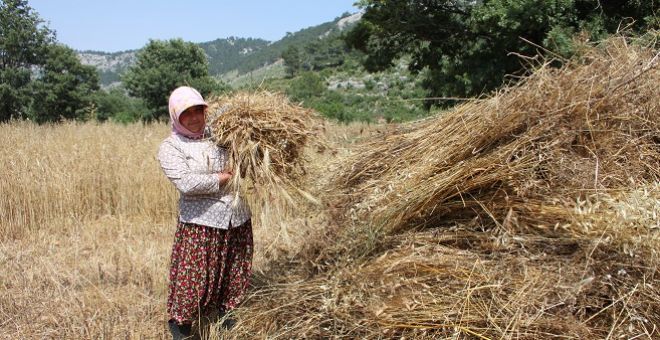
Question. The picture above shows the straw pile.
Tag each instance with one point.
(265, 136)
(529, 215)
(560, 133)
(466, 283)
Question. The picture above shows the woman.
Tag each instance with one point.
(212, 253)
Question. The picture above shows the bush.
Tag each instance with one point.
(307, 86)
(114, 104)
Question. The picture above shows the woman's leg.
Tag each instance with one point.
(238, 271)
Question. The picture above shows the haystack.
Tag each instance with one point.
(590, 126)
(265, 136)
(529, 215)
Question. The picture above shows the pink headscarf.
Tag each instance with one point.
(181, 99)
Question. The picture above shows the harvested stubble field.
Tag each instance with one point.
(531, 214)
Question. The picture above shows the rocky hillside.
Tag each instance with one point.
(236, 56)
(109, 65)
(228, 54)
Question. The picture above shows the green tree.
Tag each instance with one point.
(292, 60)
(164, 65)
(23, 44)
(466, 45)
(63, 87)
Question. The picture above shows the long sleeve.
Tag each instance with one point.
(193, 167)
(174, 165)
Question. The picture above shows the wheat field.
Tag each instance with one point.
(531, 214)
(87, 222)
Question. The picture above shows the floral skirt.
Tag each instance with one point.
(210, 270)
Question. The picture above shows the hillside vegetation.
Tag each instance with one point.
(444, 52)
(227, 55)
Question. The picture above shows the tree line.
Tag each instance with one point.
(464, 48)
(44, 81)
(455, 48)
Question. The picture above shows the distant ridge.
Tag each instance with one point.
(109, 65)
(226, 55)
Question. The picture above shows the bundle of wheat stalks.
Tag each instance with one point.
(560, 133)
(532, 214)
(265, 136)
(467, 283)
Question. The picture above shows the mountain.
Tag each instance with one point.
(233, 57)
(228, 54)
(109, 65)
(300, 39)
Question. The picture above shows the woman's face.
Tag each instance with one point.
(193, 118)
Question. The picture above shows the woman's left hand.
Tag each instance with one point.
(225, 176)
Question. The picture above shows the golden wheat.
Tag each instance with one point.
(86, 226)
(75, 170)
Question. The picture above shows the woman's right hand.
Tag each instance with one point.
(225, 176)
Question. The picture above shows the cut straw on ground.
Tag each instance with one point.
(531, 214)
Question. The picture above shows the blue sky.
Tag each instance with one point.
(118, 25)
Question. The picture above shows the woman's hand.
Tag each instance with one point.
(225, 176)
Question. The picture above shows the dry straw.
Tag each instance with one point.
(590, 126)
(265, 136)
(541, 212)
(74, 171)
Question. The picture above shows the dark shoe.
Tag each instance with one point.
(227, 318)
(179, 332)
(228, 323)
